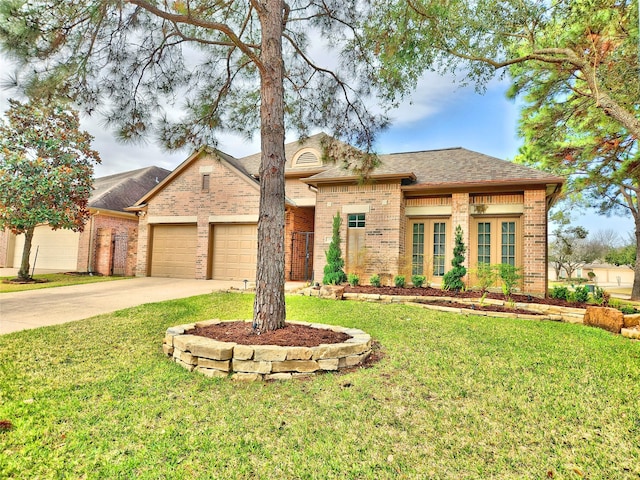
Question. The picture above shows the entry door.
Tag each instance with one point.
(428, 246)
(496, 241)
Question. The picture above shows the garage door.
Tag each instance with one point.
(235, 252)
(56, 249)
(173, 251)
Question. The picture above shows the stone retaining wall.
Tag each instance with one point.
(263, 362)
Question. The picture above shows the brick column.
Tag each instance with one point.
(534, 222)
(460, 216)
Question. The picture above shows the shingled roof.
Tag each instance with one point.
(115, 192)
(443, 168)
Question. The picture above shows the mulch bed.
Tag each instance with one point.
(436, 292)
(483, 308)
(24, 281)
(291, 335)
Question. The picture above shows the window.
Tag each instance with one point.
(484, 242)
(428, 246)
(496, 240)
(355, 220)
(206, 180)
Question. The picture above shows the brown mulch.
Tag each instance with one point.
(484, 308)
(24, 281)
(291, 335)
(436, 292)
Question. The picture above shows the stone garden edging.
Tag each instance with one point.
(629, 325)
(263, 362)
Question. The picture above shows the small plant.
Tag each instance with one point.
(399, 281)
(628, 309)
(418, 280)
(486, 275)
(374, 280)
(510, 276)
(580, 294)
(559, 292)
(615, 303)
(592, 276)
(483, 298)
(452, 280)
(600, 297)
(333, 270)
(353, 279)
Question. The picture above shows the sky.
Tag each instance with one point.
(439, 114)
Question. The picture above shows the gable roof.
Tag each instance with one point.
(116, 192)
(452, 167)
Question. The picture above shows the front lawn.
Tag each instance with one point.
(454, 397)
(49, 280)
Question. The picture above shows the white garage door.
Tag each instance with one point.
(235, 252)
(56, 249)
(173, 251)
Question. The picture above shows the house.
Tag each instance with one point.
(108, 243)
(201, 221)
(601, 273)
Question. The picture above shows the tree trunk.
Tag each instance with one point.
(269, 311)
(23, 273)
(635, 290)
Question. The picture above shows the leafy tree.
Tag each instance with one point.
(622, 256)
(452, 280)
(46, 170)
(334, 269)
(575, 65)
(228, 66)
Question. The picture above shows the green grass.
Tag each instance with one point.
(53, 280)
(454, 397)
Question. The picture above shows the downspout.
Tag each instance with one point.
(90, 266)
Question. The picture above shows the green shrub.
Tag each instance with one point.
(333, 270)
(580, 294)
(510, 276)
(452, 280)
(374, 280)
(600, 297)
(559, 292)
(418, 280)
(399, 281)
(353, 279)
(486, 275)
(628, 309)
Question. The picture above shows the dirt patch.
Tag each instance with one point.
(25, 281)
(436, 292)
(291, 335)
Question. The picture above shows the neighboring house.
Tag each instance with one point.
(605, 274)
(201, 221)
(108, 243)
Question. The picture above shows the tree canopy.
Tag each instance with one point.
(46, 171)
(187, 70)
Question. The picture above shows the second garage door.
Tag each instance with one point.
(235, 251)
(173, 252)
(55, 249)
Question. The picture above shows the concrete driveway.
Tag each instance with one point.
(52, 306)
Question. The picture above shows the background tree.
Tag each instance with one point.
(452, 280)
(574, 63)
(334, 269)
(46, 171)
(569, 249)
(219, 63)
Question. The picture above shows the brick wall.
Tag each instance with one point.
(459, 216)
(118, 224)
(5, 236)
(383, 237)
(298, 220)
(535, 242)
(229, 194)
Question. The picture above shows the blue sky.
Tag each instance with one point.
(439, 114)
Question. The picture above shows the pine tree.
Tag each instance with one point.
(333, 270)
(452, 280)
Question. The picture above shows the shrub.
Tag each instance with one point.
(333, 270)
(399, 281)
(600, 297)
(559, 292)
(486, 275)
(628, 309)
(353, 279)
(510, 276)
(374, 280)
(418, 280)
(452, 280)
(580, 294)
